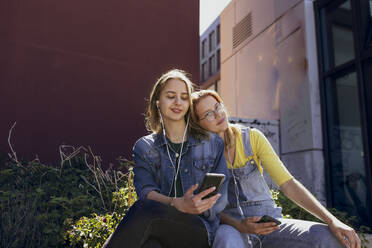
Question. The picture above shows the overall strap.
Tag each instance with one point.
(248, 147)
(247, 141)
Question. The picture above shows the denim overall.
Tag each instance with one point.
(255, 199)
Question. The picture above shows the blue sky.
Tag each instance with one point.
(209, 10)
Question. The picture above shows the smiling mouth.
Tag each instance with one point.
(177, 111)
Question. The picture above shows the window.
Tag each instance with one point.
(218, 59)
(211, 65)
(203, 72)
(337, 26)
(349, 188)
(218, 34)
(211, 41)
(345, 67)
(203, 48)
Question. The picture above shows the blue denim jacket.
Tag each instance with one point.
(154, 171)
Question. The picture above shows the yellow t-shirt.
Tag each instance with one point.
(263, 154)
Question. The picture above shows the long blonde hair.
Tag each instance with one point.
(231, 130)
(152, 117)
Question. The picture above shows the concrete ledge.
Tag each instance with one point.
(369, 238)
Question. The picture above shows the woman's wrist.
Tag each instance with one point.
(175, 202)
(172, 200)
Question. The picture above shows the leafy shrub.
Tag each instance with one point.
(39, 202)
(93, 231)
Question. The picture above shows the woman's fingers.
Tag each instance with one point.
(352, 239)
(191, 190)
(349, 238)
(195, 204)
(345, 234)
(358, 241)
(204, 193)
(258, 228)
(253, 219)
(203, 205)
(266, 228)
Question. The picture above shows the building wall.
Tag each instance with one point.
(209, 49)
(271, 74)
(77, 72)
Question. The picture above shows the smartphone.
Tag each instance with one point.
(211, 180)
(266, 218)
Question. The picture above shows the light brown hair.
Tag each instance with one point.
(231, 130)
(152, 117)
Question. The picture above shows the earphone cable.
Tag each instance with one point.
(236, 190)
(170, 158)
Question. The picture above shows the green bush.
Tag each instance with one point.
(39, 202)
(93, 231)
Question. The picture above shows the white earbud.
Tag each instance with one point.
(157, 104)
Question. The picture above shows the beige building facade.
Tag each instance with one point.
(269, 72)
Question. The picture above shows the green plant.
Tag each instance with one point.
(36, 200)
(93, 231)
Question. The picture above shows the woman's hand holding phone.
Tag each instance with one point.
(250, 225)
(195, 204)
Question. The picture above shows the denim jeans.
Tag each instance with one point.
(149, 222)
(292, 233)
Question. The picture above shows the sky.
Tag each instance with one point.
(209, 10)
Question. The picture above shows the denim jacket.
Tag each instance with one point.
(154, 171)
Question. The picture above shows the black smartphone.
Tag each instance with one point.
(266, 218)
(211, 180)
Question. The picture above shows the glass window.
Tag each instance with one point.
(349, 182)
(337, 32)
(204, 43)
(366, 23)
(211, 65)
(203, 72)
(211, 41)
(218, 59)
(218, 34)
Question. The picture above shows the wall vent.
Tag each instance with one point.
(242, 30)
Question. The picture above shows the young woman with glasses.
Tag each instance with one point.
(169, 165)
(247, 152)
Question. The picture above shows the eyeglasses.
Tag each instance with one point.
(212, 115)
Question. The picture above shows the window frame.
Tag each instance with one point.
(362, 54)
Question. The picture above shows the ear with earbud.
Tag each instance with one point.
(157, 104)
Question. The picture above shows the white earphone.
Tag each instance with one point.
(167, 145)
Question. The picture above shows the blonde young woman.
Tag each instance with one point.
(170, 163)
(247, 152)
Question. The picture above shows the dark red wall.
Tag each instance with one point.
(77, 71)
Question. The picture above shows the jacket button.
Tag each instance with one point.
(203, 167)
(186, 170)
(252, 162)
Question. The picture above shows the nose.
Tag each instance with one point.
(178, 100)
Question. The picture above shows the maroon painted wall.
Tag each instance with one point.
(77, 71)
